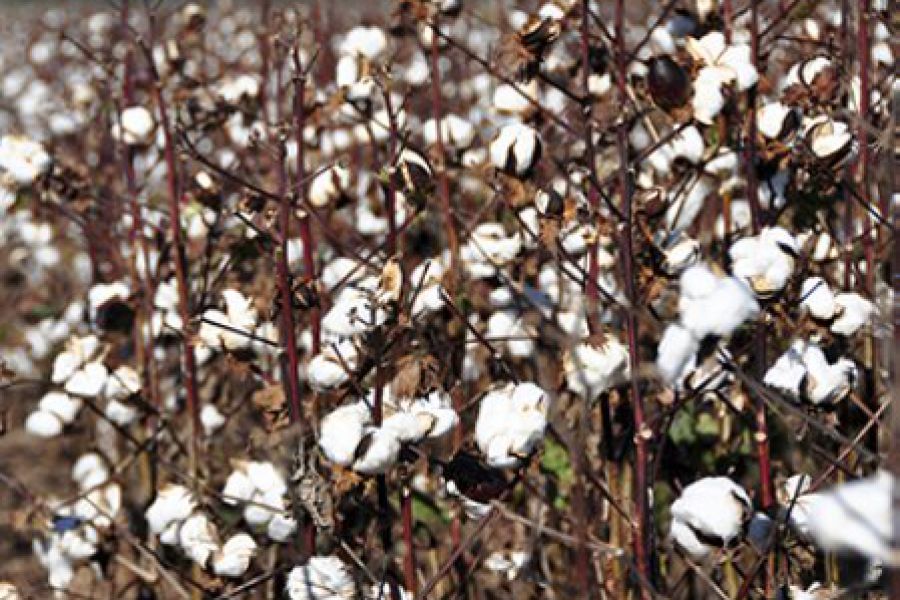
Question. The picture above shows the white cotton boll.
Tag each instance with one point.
(715, 507)
(687, 540)
(592, 369)
(60, 570)
(211, 419)
(853, 312)
(90, 470)
(261, 508)
(173, 504)
(489, 241)
(9, 592)
(456, 132)
(679, 253)
(516, 149)
(88, 381)
(507, 329)
(22, 160)
(789, 371)
(321, 578)
(511, 101)
(352, 314)
(136, 127)
(407, 426)
(676, 355)
(686, 205)
(64, 366)
(234, 90)
(712, 305)
(281, 527)
(828, 139)
(234, 558)
(707, 100)
(101, 293)
(198, 538)
(43, 424)
(238, 487)
(79, 544)
(62, 405)
(438, 406)
(266, 478)
(370, 42)
(327, 370)
(329, 185)
(775, 120)
(346, 71)
(511, 423)
(123, 383)
(794, 495)
(381, 450)
(341, 432)
(856, 517)
(818, 298)
(827, 383)
(120, 413)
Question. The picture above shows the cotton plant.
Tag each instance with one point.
(511, 422)
(593, 368)
(766, 262)
(322, 578)
(721, 65)
(261, 489)
(803, 371)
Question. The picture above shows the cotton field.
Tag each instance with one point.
(448, 299)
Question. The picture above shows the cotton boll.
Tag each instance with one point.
(592, 369)
(120, 413)
(262, 507)
(329, 185)
(238, 487)
(408, 427)
(123, 383)
(329, 369)
(714, 507)
(511, 101)
(687, 540)
(511, 423)
(711, 305)
(676, 354)
(765, 261)
(380, 450)
(818, 298)
(687, 202)
(341, 432)
(198, 538)
(9, 592)
(776, 121)
(321, 578)
(794, 495)
(234, 558)
(352, 314)
(173, 504)
(281, 527)
(856, 517)
(853, 311)
(136, 126)
(88, 381)
(90, 470)
(211, 419)
(22, 160)
(508, 329)
(62, 405)
(43, 424)
(516, 149)
(827, 383)
(456, 132)
(370, 42)
(789, 371)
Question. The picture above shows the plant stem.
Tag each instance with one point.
(409, 562)
(642, 432)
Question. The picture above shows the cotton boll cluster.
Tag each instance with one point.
(22, 161)
(322, 578)
(237, 328)
(262, 490)
(591, 369)
(723, 65)
(711, 512)
(848, 312)
(511, 423)
(55, 411)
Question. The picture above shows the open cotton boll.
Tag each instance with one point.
(173, 504)
(238, 487)
(123, 383)
(136, 127)
(198, 537)
(828, 139)
(101, 505)
(327, 369)
(90, 470)
(233, 559)
(818, 298)
(676, 355)
(62, 405)
(281, 527)
(506, 328)
(22, 160)
(341, 432)
(233, 90)
(591, 369)
(789, 371)
(856, 517)
(687, 145)
(88, 381)
(352, 314)
(262, 507)
(508, 100)
(511, 423)
(827, 383)
(329, 185)
(686, 202)
(716, 508)
(43, 424)
(765, 261)
(78, 351)
(716, 311)
(120, 413)
(101, 293)
(776, 121)
(516, 149)
(687, 539)
(456, 132)
(211, 419)
(853, 312)
(794, 495)
(9, 592)
(370, 42)
(321, 578)
(490, 242)
(377, 452)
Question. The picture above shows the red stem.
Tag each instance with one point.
(409, 562)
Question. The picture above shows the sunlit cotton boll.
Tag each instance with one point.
(321, 578)
(78, 351)
(234, 558)
(136, 128)
(370, 42)
(456, 132)
(173, 504)
(43, 424)
(506, 328)
(511, 423)
(765, 261)
(211, 419)
(591, 369)
(713, 305)
(853, 311)
(341, 432)
(817, 298)
(856, 517)
(516, 149)
(88, 381)
(710, 510)
(332, 367)
(788, 372)
(329, 185)
(827, 383)
(8, 591)
(676, 355)
(198, 537)
(723, 65)
(22, 160)
(378, 451)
